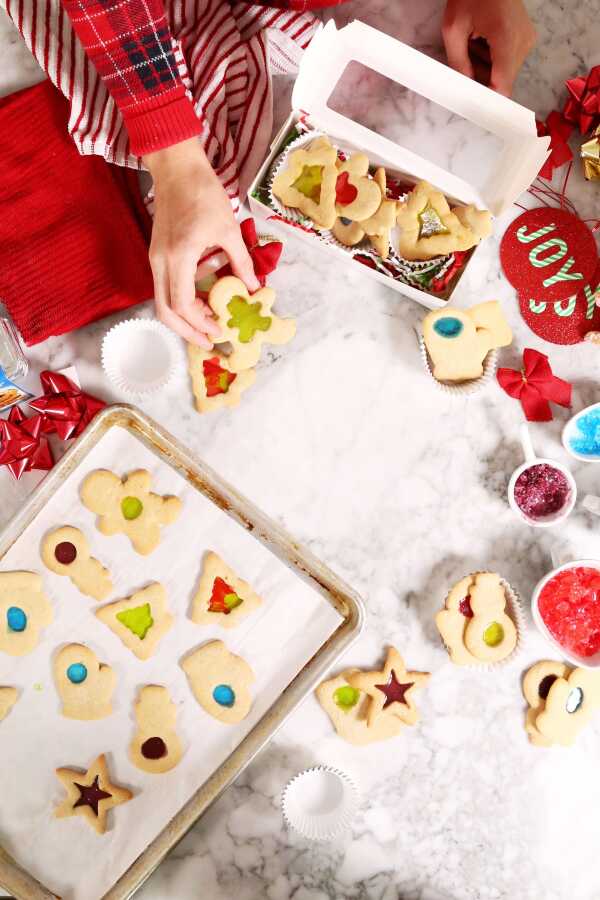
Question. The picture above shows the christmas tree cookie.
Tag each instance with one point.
(156, 747)
(90, 794)
(213, 383)
(308, 180)
(222, 597)
(85, 686)
(8, 698)
(65, 551)
(220, 681)
(141, 621)
(24, 612)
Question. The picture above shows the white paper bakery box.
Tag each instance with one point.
(331, 50)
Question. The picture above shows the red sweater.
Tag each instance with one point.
(129, 43)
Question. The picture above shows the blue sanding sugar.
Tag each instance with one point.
(586, 439)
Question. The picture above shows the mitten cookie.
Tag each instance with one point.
(536, 687)
(129, 507)
(357, 196)
(213, 383)
(220, 681)
(222, 597)
(246, 322)
(90, 794)
(24, 612)
(65, 551)
(308, 182)
(156, 747)
(8, 698)
(85, 685)
(569, 706)
(141, 620)
(347, 708)
(458, 340)
(390, 689)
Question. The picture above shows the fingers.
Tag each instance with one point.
(182, 275)
(240, 259)
(170, 318)
(507, 59)
(182, 328)
(456, 32)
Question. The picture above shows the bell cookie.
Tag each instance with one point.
(214, 384)
(129, 507)
(390, 690)
(65, 551)
(458, 340)
(90, 794)
(155, 747)
(377, 228)
(246, 322)
(8, 698)
(222, 597)
(85, 686)
(24, 612)
(141, 621)
(357, 196)
(308, 180)
(347, 708)
(429, 228)
(570, 703)
(220, 681)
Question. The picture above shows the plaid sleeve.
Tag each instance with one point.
(129, 43)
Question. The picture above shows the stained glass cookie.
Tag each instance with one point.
(85, 685)
(214, 384)
(156, 747)
(561, 702)
(90, 794)
(220, 681)
(140, 621)
(24, 612)
(65, 551)
(347, 708)
(222, 598)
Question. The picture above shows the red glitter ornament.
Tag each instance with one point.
(569, 605)
(564, 321)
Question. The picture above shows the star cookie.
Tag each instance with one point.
(8, 698)
(222, 597)
(90, 794)
(213, 383)
(24, 612)
(391, 689)
(66, 551)
(308, 182)
(84, 685)
(155, 747)
(141, 620)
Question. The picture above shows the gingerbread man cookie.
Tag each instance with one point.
(536, 686)
(357, 196)
(458, 341)
(8, 698)
(490, 634)
(390, 690)
(129, 507)
(246, 322)
(65, 551)
(85, 686)
(308, 180)
(347, 708)
(24, 612)
(220, 681)
(213, 383)
(429, 228)
(141, 620)
(222, 598)
(156, 747)
(90, 794)
(377, 228)
(570, 703)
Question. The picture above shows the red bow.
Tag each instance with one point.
(560, 152)
(65, 409)
(22, 448)
(264, 256)
(583, 105)
(534, 385)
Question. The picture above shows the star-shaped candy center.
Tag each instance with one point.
(394, 691)
(91, 795)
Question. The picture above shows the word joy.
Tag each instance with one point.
(539, 261)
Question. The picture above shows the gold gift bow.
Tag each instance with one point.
(590, 156)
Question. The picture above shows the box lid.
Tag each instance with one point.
(331, 50)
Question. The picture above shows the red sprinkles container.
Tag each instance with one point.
(566, 609)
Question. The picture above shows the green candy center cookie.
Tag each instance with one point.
(246, 318)
(346, 697)
(309, 182)
(131, 508)
(430, 222)
(493, 634)
(138, 620)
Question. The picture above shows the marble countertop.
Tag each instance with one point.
(402, 491)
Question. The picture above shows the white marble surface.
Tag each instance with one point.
(402, 492)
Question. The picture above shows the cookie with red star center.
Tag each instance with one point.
(391, 690)
(222, 598)
(213, 383)
(90, 794)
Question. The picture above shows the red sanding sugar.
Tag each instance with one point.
(569, 604)
(541, 491)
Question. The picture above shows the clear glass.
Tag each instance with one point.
(12, 358)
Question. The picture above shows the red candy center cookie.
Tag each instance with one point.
(394, 691)
(65, 553)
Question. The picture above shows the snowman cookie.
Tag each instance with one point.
(570, 703)
(222, 597)
(347, 708)
(65, 551)
(307, 182)
(246, 322)
(129, 507)
(140, 621)
(155, 747)
(391, 690)
(213, 383)
(24, 612)
(220, 681)
(536, 686)
(357, 196)
(8, 698)
(85, 685)
(458, 341)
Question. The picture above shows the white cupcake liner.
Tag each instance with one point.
(320, 803)
(514, 610)
(462, 388)
(141, 357)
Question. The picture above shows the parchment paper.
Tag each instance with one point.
(277, 640)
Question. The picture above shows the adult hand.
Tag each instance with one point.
(192, 214)
(506, 27)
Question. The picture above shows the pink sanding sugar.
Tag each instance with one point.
(541, 491)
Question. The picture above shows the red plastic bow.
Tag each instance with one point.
(65, 409)
(22, 447)
(583, 105)
(560, 152)
(534, 385)
(264, 257)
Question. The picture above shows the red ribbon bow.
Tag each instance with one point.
(264, 256)
(534, 385)
(560, 152)
(65, 409)
(583, 104)
(22, 447)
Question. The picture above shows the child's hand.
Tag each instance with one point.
(192, 213)
(506, 27)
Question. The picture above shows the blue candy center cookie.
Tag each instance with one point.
(448, 327)
(224, 695)
(16, 619)
(76, 673)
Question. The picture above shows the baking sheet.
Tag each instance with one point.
(277, 640)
